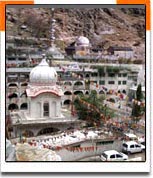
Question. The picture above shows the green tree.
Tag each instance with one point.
(91, 109)
(137, 109)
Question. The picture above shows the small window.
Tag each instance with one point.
(111, 75)
(131, 146)
(22, 59)
(119, 75)
(102, 75)
(102, 82)
(111, 82)
(94, 74)
(124, 75)
(46, 109)
(11, 59)
(119, 82)
(137, 146)
(112, 156)
(118, 156)
(124, 82)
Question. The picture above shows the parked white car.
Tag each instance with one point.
(113, 155)
(133, 137)
(132, 147)
(130, 137)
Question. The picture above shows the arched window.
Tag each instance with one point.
(87, 93)
(12, 85)
(13, 95)
(87, 75)
(78, 92)
(101, 92)
(124, 91)
(24, 106)
(46, 109)
(78, 83)
(13, 106)
(67, 102)
(67, 93)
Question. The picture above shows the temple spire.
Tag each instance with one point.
(52, 29)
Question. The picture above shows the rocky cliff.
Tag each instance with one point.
(104, 27)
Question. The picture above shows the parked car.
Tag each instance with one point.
(113, 155)
(132, 147)
(130, 137)
(133, 137)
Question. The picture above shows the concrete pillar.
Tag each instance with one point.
(50, 109)
(41, 111)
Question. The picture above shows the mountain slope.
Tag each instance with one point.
(104, 27)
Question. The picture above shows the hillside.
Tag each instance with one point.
(104, 27)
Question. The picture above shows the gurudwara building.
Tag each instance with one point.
(44, 105)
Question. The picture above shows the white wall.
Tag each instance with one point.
(36, 105)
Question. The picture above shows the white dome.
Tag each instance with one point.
(54, 52)
(43, 74)
(82, 41)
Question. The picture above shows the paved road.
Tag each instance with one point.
(97, 158)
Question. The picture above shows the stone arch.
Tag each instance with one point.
(13, 106)
(101, 92)
(13, 95)
(47, 130)
(78, 92)
(67, 93)
(68, 83)
(67, 102)
(24, 106)
(87, 92)
(78, 83)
